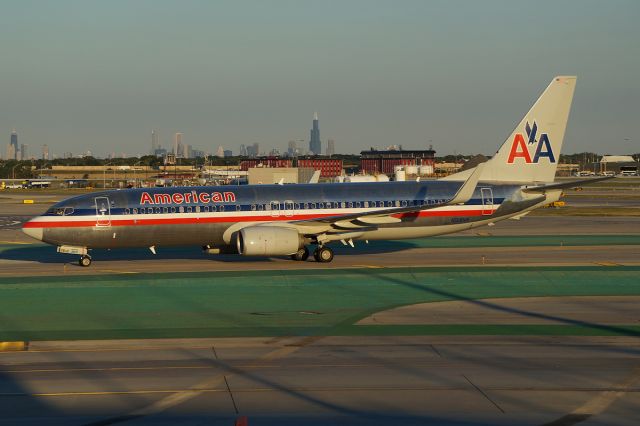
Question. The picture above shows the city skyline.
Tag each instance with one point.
(99, 76)
(315, 144)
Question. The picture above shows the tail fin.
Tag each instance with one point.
(532, 151)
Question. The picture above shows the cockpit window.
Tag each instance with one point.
(61, 211)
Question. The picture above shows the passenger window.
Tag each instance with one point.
(312, 205)
(253, 207)
(173, 209)
(221, 208)
(189, 209)
(206, 209)
(306, 206)
(127, 211)
(181, 209)
(404, 203)
(60, 212)
(135, 211)
(197, 209)
(366, 204)
(260, 207)
(68, 211)
(165, 209)
(157, 210)
(350, 204)
(358, 204)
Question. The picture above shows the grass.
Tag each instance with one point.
(287, 302)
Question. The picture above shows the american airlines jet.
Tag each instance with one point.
(279, 220)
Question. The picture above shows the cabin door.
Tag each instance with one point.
(103, 211)
(487, 201)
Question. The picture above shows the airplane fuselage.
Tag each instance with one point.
(205, 215)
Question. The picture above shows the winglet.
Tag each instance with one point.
(465, 192)
(316, 177)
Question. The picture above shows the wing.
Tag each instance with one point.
(361, 222)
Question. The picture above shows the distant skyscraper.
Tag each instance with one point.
(155, 142)
(228, 153)
(14, 145)
(23, 152)
(11, 152)
(177, 145)
(220, 152)
(253, 150)
(331, 147)
(243, 150)
(315, 146)
(292, 149)
(45, 152)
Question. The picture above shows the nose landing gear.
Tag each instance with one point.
(85, 260)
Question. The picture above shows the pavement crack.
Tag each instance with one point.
(226, 382)
(483, 394)
(233, 400)
(436, 351)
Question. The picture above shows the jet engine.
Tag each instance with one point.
(268, 241)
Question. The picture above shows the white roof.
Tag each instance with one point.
(617, 159)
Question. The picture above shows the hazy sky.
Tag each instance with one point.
(100, 75)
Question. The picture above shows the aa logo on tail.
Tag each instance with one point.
(521, 149)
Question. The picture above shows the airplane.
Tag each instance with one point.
(284, 220)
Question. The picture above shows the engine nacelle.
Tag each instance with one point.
(268, 241)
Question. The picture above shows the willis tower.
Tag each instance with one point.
(315, 146)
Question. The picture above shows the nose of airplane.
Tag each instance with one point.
(32, 231)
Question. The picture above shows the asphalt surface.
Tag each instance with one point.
(326, 380)
(549, 375)
(604, 310)
(23, 256)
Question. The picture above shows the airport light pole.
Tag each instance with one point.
(104, 176)
(13, 171)
(135, 179)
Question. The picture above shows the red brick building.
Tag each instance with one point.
(375, 162)
(329, 167)
(265, 162)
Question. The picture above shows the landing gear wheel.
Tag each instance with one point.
(85, 261)
(323, 255)
(301, 254)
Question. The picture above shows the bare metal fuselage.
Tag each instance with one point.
(209, 216)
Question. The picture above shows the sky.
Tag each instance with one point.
(458, 75)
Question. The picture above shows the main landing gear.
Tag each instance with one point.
(301, 255)
(85, 260)
(321, 254)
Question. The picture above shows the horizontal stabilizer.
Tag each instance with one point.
(565, 185)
